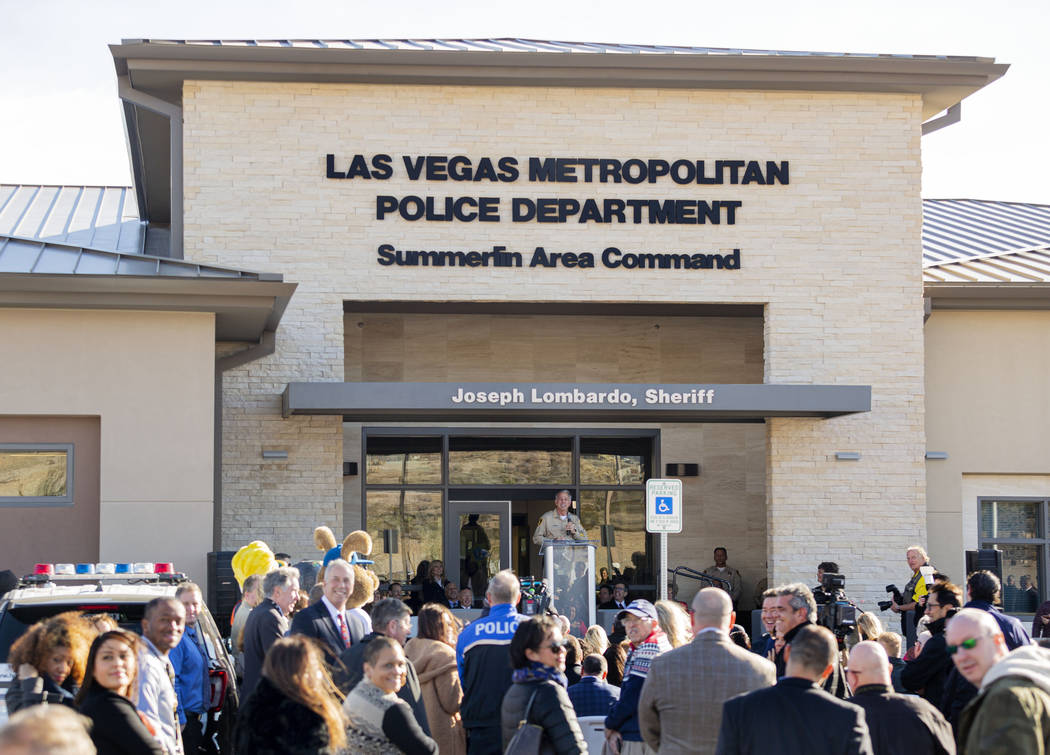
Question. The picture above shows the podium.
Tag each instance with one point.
(568, 570)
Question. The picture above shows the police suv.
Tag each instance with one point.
(121, 591)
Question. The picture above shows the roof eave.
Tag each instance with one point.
(161, 68)
(244, 309)
(975, 296)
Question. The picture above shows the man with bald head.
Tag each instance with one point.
(1011, 713)
(483, 659)
(897, 723)
(712, 668)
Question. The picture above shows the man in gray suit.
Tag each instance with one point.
(711, 669)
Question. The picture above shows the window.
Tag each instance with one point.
(410, 478)
(36, 474)
(1018, 527)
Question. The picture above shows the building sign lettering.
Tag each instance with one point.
(531, 396)
(620, 210)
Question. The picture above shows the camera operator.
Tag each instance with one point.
(825, 567)
(913, 594)
(796, 608)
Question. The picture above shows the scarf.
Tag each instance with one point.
(537, 672)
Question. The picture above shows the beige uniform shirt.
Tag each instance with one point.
(552, 527)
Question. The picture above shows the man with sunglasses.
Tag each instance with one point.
(1011, 713)
(927, 673)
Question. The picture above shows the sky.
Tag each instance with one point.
(61, 121)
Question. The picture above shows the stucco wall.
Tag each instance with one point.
(988, 407)
(834, 256)
(149, 377)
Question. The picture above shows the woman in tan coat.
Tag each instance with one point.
(433, 653)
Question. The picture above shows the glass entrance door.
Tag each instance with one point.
(477, 542)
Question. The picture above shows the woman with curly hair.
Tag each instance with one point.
(105, 697)
(49, 662)
(433, 652)
(294, 710)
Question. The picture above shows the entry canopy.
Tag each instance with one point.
(591, 402)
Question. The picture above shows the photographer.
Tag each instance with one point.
(913, 595)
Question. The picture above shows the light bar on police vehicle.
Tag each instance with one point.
(141, 571)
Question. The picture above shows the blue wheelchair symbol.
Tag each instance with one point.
(664, 504)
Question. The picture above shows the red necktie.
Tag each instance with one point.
(343, 630)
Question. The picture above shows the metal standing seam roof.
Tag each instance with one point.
(29, 256)
(100, 217)
(514, 44)
(977, 241)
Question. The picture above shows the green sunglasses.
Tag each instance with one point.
(969, 644)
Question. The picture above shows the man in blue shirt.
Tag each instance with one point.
(483, 657)
(592, 695)
(190, 660)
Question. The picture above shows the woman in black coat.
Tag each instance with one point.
(294, 709)
(435, 583)
(109, 678)
(537, 696)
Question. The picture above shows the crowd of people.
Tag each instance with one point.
(326, 678)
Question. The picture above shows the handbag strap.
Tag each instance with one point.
(528, 708)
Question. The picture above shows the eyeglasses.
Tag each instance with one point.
(559, 647)
(969, 644)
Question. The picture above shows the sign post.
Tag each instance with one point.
(663, 514)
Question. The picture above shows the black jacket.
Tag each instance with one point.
(265, 625)
(354, 662)
(793, 718)
(116, 727)
(835, 684)
(957, 695)
(315, 621)
(551, 710)
(903, 723)
(929, 671)
(36, 690)
(268, 723)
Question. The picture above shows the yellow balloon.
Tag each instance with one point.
(253, 558)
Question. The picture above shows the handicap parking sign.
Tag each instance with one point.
(663, 507)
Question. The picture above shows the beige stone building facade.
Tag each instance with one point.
(732, 243)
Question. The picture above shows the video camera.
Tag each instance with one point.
(834, 610)
(535, 598)
(897, 597)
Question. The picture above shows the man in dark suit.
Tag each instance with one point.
(327, 620)
(896, 723)
(796, 717)
(267, 622)
(619, 598)
(390, 618)
(592, 695)
(712, 667)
